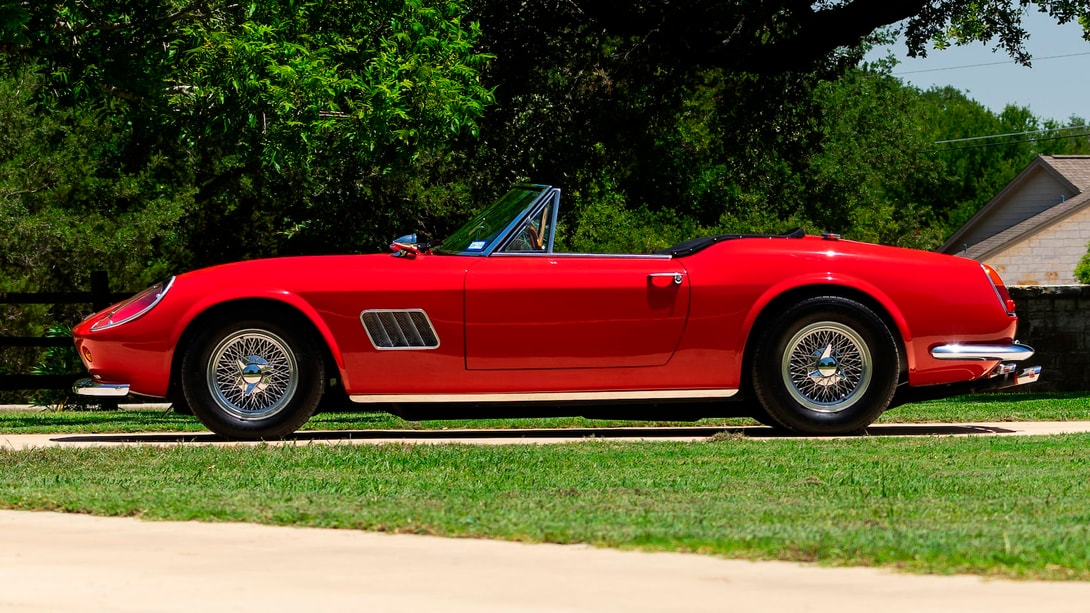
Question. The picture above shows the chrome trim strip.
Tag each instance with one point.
(678, 277)
(97, 326)
(549, 396)
(957, 351)
(409, 345)
(91, 387)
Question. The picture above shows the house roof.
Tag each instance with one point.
(1074, 168)
(1071, 171)
(1039, 221)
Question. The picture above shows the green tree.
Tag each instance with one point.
(761, 37)
(69, 206)
(274, 109)
(149, 136)
(1082, 269)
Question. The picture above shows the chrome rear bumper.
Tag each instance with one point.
(1015, 351)
(91, 387)
(1002, 377)
(1029, 375)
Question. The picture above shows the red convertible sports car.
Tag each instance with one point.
(812, 334)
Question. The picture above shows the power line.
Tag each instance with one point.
(1050, 57)
(1014, 142)
(970, 138)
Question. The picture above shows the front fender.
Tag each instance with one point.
(204, 304)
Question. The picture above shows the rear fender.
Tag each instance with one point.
(833, 284)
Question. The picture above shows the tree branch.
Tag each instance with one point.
(819, 33)
(196, 9)
(748, 35)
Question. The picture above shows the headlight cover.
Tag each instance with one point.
(138, 305)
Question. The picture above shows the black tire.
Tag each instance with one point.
(179, 405)
(269, 379)
(828, 365)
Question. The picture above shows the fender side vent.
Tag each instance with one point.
(399, 329)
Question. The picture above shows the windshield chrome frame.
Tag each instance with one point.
(547, 194)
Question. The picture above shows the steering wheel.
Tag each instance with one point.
(535, 238)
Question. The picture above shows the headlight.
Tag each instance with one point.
(124, 312)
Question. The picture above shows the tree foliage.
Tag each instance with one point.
(266, 110)
(1082, 269)
(770, 37)
(207, 131)
(149, 136)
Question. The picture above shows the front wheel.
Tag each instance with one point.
(828, 365)
(253, 380)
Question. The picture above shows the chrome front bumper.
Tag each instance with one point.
(91, 387)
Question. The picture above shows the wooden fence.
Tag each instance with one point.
(99, 298)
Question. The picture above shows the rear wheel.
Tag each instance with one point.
(828, 365)
(253, 380)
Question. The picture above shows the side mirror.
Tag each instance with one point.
(406, 246)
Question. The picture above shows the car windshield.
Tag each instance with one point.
(482, 231)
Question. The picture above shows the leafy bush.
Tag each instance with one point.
(1082, 270)
(58, 361)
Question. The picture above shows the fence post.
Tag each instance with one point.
(100, 299)
(100, 290)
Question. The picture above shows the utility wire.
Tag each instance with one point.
(970, 138)
(1013, 142)
(1050, 57)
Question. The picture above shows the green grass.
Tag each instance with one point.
(997, 407)
(999, 506)
(1058, 406)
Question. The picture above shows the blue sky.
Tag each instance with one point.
(1055, 88)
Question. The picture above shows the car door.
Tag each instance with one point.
(556, 311)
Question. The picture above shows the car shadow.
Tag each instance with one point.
(538, 434)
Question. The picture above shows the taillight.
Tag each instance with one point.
(1000, 289)
(124, 312)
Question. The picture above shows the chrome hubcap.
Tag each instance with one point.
(252, 374)
(827, 367)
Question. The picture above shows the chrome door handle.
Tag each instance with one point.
(676, 276)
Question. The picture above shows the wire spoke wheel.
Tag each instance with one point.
(252, 374)
(253, 379)
(826, 367)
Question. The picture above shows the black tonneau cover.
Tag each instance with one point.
(690, 247)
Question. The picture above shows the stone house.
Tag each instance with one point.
(1035, 231)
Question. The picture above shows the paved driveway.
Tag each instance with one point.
(54, 562)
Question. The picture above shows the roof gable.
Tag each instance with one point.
(987, 247)
(1073, 168)
(1048, 181)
